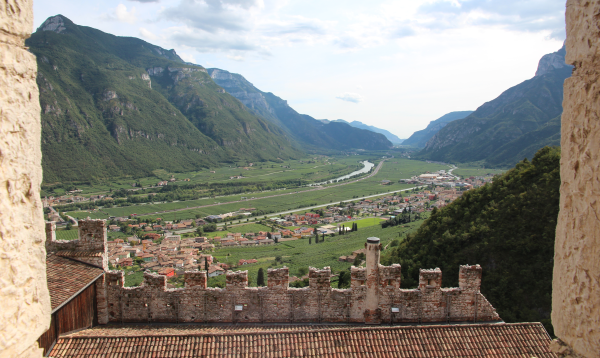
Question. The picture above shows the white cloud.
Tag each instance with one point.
(517, 15)
(350, 97)
(203, 41)
(147, 34)
(121, 14)
(187, 57)
(235, 57)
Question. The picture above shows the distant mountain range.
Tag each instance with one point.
(511, 127)
(420, 138)
(357, 124)
(119, 106)
(312, 133)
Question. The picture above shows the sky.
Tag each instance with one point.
(395, 64)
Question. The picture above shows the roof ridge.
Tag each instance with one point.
(341, 328)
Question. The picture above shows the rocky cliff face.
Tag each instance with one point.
(489, 132)
(576, 287)
(25, 312)
(552, 61)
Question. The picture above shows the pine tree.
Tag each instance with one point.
(260, 279)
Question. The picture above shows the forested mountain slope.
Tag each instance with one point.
(305, 129)
(119, 106)
(508, 227)
(490, 133)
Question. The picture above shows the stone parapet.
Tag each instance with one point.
(279, 303)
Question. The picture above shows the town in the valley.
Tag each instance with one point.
(171, 247)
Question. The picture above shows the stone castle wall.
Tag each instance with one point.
(576, 279)
(25, 312)
(91, 246)
(153, 302)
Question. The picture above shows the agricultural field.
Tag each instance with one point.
(466, 172)
(238, 228)
(362, 223)
(313, 169)
(67, 234)
(298, 255)
(393, 170)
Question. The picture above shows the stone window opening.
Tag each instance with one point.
(431, 282)
(361, 282)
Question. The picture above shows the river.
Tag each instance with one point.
(367, 167)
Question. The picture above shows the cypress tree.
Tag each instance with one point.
(323, 238)
(206, 264)
(310, 240)
(260, 279)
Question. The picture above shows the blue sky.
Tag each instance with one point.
(392, 64)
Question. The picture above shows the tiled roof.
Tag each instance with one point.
(69, 253)
(66, 277)
(483, 340)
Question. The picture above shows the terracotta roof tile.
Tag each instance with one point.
(489, 340)
(66, 277)
(79, 253)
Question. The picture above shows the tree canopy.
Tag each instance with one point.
(508, 227)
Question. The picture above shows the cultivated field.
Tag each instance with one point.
(298, 255)
(393, 170)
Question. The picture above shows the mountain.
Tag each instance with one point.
(420, 138)
(357, 124)
(517, 123)
(119, 106)
(508, 227)
(311, 132)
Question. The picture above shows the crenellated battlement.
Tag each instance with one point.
(469, 277)
(196, 279)
(277, 279)
(430, 279)
(236, 280)
(277, 302)
(319, 279)
(90, 247)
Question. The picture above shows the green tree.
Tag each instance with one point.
(508, 227)
(260, 278)
(344, 279)
(69, 225)
(206, 264)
